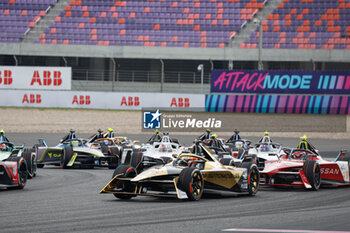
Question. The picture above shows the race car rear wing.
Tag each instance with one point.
(340, 156)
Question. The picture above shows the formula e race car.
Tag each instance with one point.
(265, 150)
(77, 152)
(185, 177)
(238, 146)
(157, 151)
(303, 167)
(9, 150)
(228, 153)
(14, 170)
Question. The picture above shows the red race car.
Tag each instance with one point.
(306, 168)
(13, 172)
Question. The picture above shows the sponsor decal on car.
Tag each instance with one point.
(328, 170)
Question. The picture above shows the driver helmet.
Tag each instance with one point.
(299, 155)
(111, 133)
(239, 144)
(264, 147)
(75, 143)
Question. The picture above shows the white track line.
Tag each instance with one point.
(281, 231)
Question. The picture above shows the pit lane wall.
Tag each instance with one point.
(297, 92)
(100, 100)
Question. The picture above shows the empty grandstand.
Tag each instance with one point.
(157, 45)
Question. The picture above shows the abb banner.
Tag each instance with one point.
(101, 100)
(31, 77)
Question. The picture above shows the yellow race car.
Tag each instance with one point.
(187, 176)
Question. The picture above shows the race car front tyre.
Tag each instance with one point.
(253, 177)
(66, 156)
(22, 172)
(31, 162)
(312, 171)
(192, 183)
(22, 175)
(126, 186)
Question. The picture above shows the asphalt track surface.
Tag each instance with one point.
(60, 200)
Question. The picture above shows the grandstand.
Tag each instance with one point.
(156, 40)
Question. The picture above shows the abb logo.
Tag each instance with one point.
(48, 78)
(6, 76)
(180, 102)
(130, 101)
(31, 99)
(81, 100)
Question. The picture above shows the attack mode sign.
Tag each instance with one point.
(44, 78)
(298, 82)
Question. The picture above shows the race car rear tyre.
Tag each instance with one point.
(312, 171)
(104, 149)
(114, 162)
(31, 162)
(66, 156)
(136, 158)
(128, 172)
(253, 177)
(227, 161)
(191, 181)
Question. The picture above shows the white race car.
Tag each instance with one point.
(265, 150)
(157, 151)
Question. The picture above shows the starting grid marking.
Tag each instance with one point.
(280, 231)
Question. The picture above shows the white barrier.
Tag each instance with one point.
(100, 100)
(33, 77)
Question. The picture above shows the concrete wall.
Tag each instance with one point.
(235, 54)
(138, 87)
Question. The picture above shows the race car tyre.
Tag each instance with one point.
(251, 158)
(104, 149)
(66, 156)
(253, 177)
(114, 162)
(312, 171)
(40, 165)
(127, 158)
(31, 162)
(227, 161)
(136, 158)
(22, 175)
(191, 181)
(126, 186)
(22, 172)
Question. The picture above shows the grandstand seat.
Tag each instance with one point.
(317, 24)
(162, 20)
(21, 15)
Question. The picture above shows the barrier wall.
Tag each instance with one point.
(33, 77)
(100, 100)
(278, 104)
